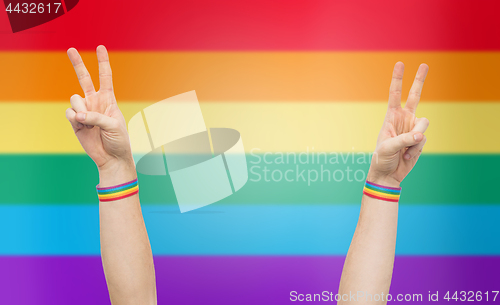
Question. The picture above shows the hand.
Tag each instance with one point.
(401, 138)
(96, 119)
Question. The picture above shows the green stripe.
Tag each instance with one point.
(437, 178)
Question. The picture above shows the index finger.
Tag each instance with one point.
(416, 88)
(105, 76)
(81, 72)
(396, 85)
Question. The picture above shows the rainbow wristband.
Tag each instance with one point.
(118, 191)
(382, 192)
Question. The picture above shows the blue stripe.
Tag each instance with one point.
(251, 230)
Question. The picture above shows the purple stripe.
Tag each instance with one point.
(232, 280)
(115, 186)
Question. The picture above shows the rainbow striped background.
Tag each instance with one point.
(290, 76)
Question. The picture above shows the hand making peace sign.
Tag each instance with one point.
(401, 138)
(96, 119)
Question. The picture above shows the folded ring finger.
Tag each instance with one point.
(70, 115)
(421, 125)
(78, 104)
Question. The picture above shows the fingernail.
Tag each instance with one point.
(81, 116)
(417, 137)
(407, 156)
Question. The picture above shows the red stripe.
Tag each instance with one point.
(121, 197)
(266, 25)
(380, 198)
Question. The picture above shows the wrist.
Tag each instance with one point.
(382, 179)
(116, 172)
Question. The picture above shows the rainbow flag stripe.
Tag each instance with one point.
(293, 77)
(228, 278)
(283, 229)
(257, 76)
(258, 25)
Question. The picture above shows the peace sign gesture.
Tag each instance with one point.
(96, 119)
(401, 138)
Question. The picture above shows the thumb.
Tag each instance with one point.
(393, 145)
(98, 119)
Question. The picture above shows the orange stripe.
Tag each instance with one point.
(381, 198)
(255, 76)
(379, 194)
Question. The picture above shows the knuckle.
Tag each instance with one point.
(395, 92)
(74, 97)
(83, 76)
(89, 92)
(78, 63)
(425, 121)
(420, 79)
(415, 93)
(410, 138)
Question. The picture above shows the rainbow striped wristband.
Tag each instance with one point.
(118, 191)
(382, 192)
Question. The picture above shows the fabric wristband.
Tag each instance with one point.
(381, 192)
(117, 192)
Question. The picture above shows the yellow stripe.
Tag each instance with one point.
(122, 193)
(273, 126)
(383, 195)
